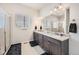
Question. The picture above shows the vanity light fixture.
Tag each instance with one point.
(51, 12)
(60, 7)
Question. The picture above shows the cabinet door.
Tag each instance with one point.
(65, 47)
(36, 37)
(55, 49)
(33, 35)
(41, 40)
(46, 44)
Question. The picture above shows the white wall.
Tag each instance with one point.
(74, 14)
(18, 35)
(74, 41)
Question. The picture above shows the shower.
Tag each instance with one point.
(5, 31)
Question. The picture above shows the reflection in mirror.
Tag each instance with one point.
(57, 22)
(53, 23)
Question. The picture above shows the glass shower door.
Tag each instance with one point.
(2, 33)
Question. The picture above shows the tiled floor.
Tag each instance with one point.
(25, 49)
(28, 50)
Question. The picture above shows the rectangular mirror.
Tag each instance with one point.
(56, 23)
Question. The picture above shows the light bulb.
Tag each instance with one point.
(60, 7)
(51, 12)
(55, 9)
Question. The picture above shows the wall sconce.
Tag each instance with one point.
(35, 27)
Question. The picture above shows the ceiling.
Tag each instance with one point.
(36, 6)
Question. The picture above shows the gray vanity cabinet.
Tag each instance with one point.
(51, 45)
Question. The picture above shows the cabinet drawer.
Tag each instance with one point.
(52, 40)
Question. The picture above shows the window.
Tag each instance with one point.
(23, 22)
(2, 21)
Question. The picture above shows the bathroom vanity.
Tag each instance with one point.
(52, 43)
(53, 37)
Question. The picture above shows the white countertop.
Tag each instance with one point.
(54, 35)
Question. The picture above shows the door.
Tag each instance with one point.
(2, 33)
(8, 31)
(5, 32)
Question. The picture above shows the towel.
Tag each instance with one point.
(73, 28)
